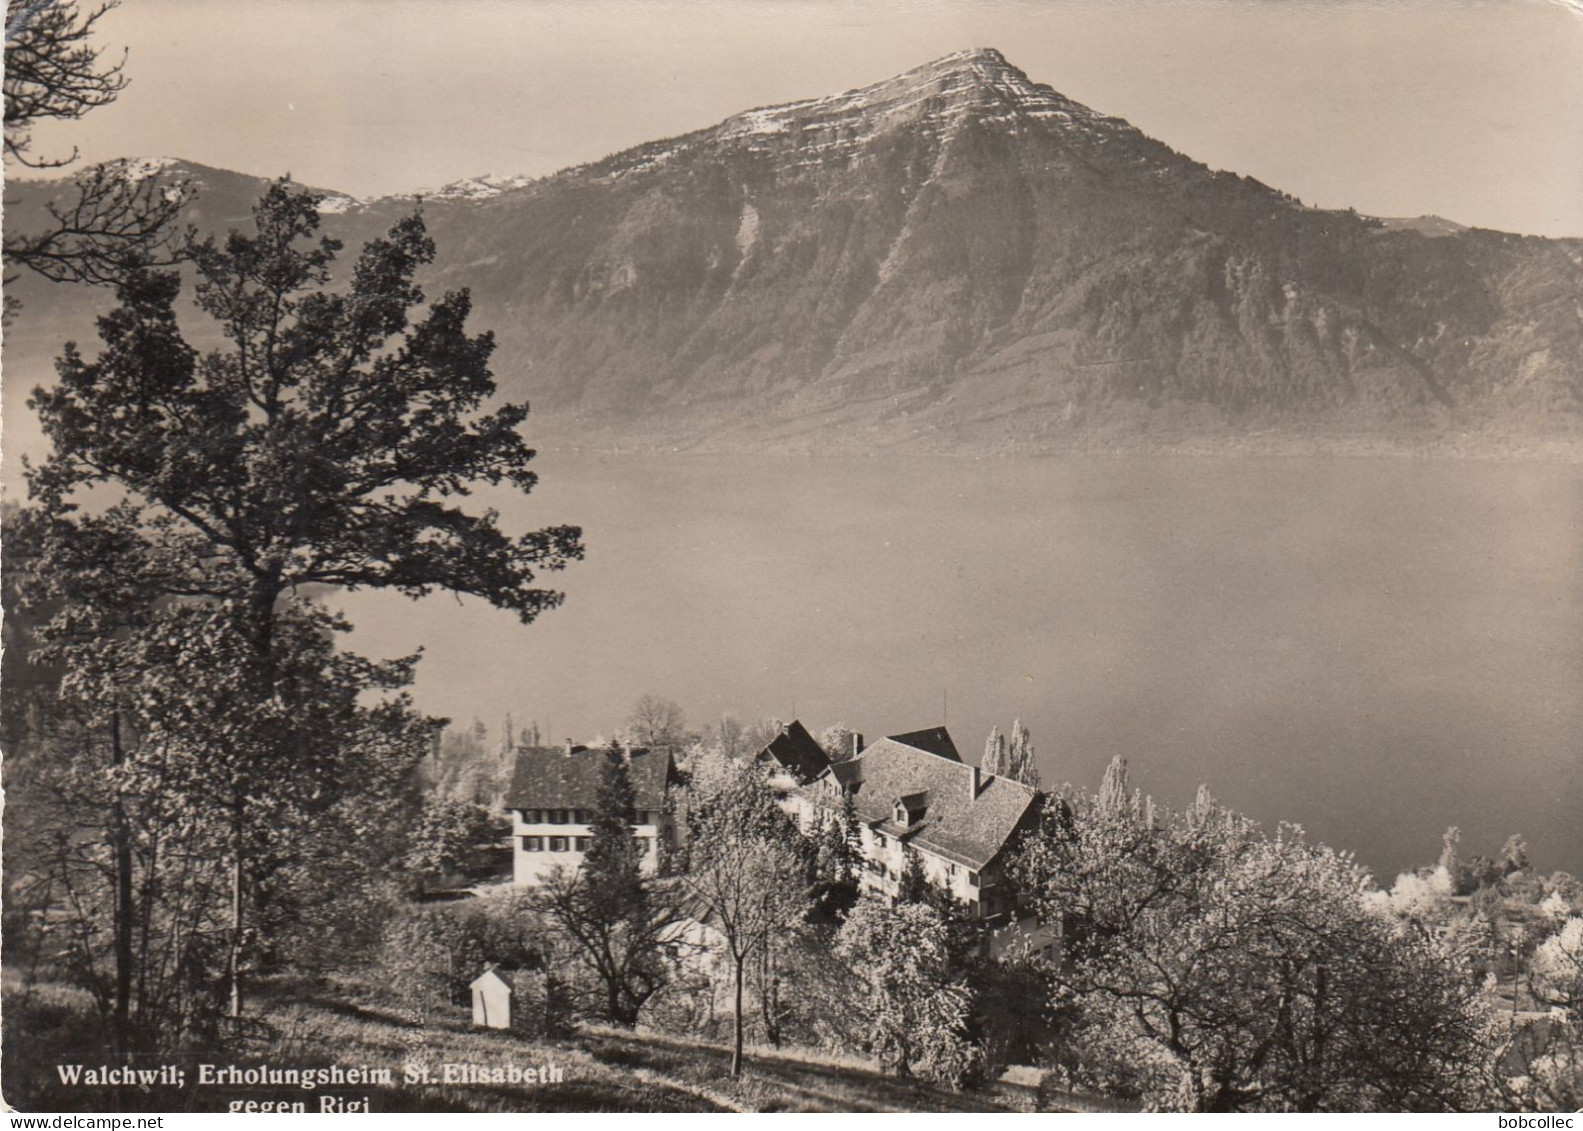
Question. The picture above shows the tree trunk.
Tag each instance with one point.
(261, 616)
(736, 1046)
(261, 611)
(233, 971)
(121, 834)
(145, 929)
(769, 993)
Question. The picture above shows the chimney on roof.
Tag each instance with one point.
(570, 747)
(857, 744)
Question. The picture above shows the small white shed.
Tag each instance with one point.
(492, 993)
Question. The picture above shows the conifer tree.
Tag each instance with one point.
(994, 761)
(1514, 855)
(1201, 814)
(620, 932)
(1113, 800)
(1020, 762)
(508, 740)
(837, 863)
(851, 829)
(1448, 851)
(912, 886)
(611, 862)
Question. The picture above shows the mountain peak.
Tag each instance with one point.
(976, 73)
(976, 81)
(973, 56)
(979, 62)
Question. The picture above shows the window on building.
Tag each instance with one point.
(580, 816)
(533, 844)
(972, 879)
(558, 817)
(557, 844)
(640, 816)
(530, 816)
(582, 843)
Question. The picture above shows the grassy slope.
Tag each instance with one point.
(604, 1069)
(787, 1079)
(616, 1070)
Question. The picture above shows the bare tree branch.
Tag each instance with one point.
(112, 223)
(52, 71)
(119, 217)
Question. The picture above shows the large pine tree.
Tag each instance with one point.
(328, 442)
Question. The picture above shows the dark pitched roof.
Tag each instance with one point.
(548, 777)
(848, 773)
(957, 825)
(797, 752)
(935, 740)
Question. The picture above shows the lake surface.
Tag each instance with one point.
(1372, 648)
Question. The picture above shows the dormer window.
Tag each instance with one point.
(911, 808)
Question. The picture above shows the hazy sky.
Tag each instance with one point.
(1473, 111)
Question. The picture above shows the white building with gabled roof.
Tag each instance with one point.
(912, 793)
(553, 794)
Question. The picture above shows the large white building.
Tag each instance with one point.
(913, 795)
(552, 798)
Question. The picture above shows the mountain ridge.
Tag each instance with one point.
(962, 256)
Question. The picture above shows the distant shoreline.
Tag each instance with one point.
(547, 430)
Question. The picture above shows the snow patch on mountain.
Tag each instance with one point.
(141, 168)
(770, 121)
(336, 203)
(483, 187)
(976, 84)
